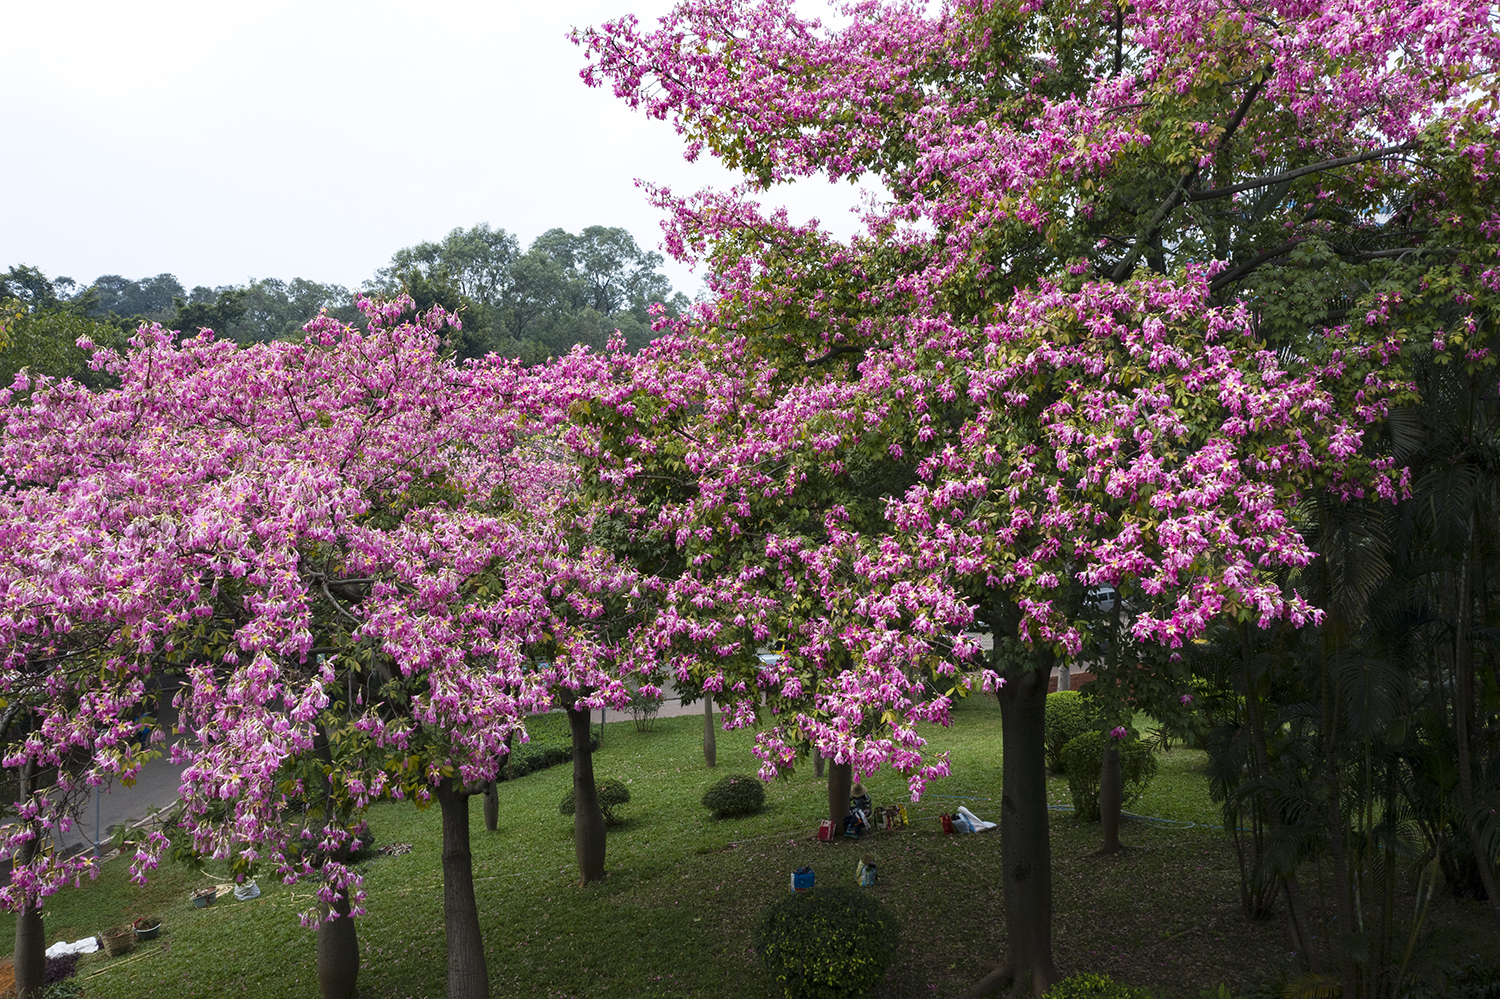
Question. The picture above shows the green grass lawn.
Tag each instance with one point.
(674, 916)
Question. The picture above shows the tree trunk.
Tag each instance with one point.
(31, 953)
(1111, 794)
(588, 820)
(31, 935)
(818, 764)
(1065, 676)
(491, 807)
(467, 976)
(710, 741)
(1338, 849)
(1254, 718)
(338, 951)
(840, 787)
(1025, 838)
(1463, 697)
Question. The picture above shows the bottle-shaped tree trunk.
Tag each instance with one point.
(31, 952)
(1025, 839)
(338, 950)
(491, 807)
(1111, 795)
(31, 935)
(338, 940)
(1025, 843)
(467, 976)
(492, 789)
(710, 741)
(840, 786)
(588, 819)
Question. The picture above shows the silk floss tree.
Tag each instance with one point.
(1087, 220)
(700, 440)
(238, 506)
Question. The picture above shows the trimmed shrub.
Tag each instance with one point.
(1084, 757)
(737, 794)
(827, 943)
(1068, 717)
(612, 794)
(1093, 986)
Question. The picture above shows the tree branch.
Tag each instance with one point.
(1240, 270)
(1399, 251)
(1153, 228)
(845, 349)
(323, 583)
(1280, 178)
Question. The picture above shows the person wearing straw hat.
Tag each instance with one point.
(858, 819)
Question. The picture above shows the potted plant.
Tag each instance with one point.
(147, 928)
(204, 897)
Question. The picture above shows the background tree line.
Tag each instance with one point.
(563, 290)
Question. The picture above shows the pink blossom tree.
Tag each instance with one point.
(1128, 291)
(342, 543)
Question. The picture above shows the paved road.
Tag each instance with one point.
(155, 787)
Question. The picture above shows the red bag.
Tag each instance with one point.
(825, 830)
(947, 821)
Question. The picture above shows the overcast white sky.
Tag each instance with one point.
(312, 138)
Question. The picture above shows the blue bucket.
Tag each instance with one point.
(802, 879)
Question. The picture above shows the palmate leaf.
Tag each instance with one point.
(1484, 818)
(1354, 542)
(1404, 424)
(1312, 985)
(1445, 497)
(1371, 692)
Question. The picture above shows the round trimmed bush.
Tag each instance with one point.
(1093, 986)
(1084, 758)
(827, 943)
(612, 794)
(737, 794)
(1069, 715)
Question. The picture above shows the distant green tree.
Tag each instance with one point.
(151, 299)
(565, 289)
(29, 286)
(40, 330)
(277, 310)
(215, 309)
(477, 263)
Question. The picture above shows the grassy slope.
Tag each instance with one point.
(674, 916)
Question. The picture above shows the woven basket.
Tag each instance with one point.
(119, 940)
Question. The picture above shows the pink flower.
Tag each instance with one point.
(1186, 698)
(1118, 732)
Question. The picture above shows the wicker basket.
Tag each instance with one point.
(119, 940)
